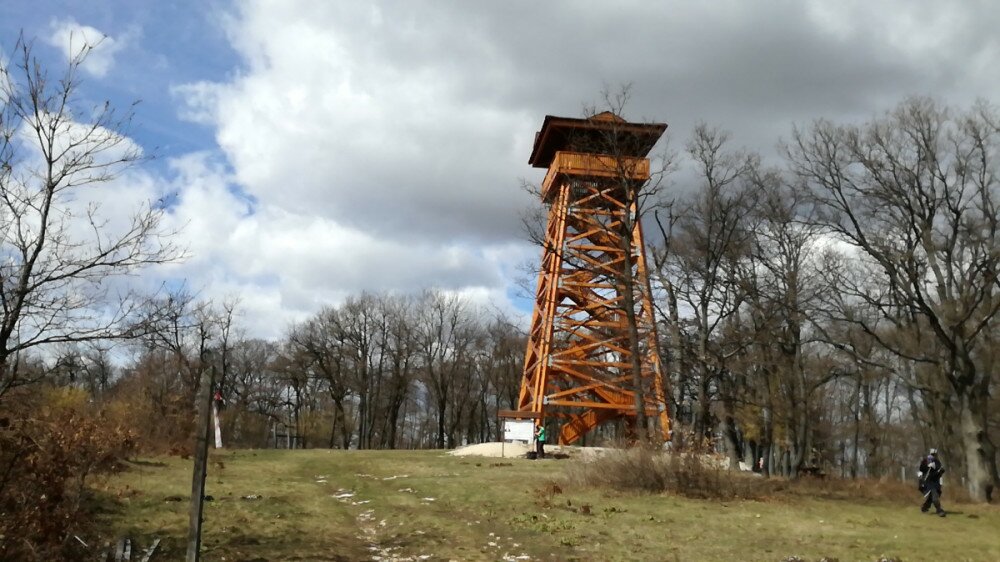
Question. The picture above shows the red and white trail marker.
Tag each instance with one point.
(215, 415)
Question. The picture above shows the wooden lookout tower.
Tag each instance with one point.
(579, 361)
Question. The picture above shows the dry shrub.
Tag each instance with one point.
(54, 440)
(163, 420)
(644, 470)
(545, 494)
(696, 475)
(883, 490)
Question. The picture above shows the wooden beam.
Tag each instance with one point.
(517, 414)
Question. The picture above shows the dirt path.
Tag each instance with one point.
(375, 531)
(371, 528)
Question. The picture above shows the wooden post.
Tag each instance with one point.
(151, 550)
(200, 465)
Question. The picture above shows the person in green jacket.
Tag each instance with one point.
(540, 442)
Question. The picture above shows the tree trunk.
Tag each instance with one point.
(675, 366)
(767, 446)
(751, 449)
(855, 453)
(727, 426)
(393, 429)
(345, 433)
(703, 423)
(980, 453)
(627, 285)
(442, 404)
(333, 430)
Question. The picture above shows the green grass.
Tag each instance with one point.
(426, 503)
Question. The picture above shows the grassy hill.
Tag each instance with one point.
(426, 505)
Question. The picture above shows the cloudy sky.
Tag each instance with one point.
(313, 149)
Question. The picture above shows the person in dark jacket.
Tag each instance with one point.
(931, 471)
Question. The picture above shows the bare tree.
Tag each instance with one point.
(400, 351)
(252, 392)
(184, 329)
(638, 199)
(781, 285)
(362, 328)
(503, 363)
(708, 238)
(445, 337)
(319, 347)
(58, 254)
(99, 368)
(916, 193)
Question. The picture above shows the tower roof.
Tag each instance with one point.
(590, 134)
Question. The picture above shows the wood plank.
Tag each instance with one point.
(518, 414)
(149, 551)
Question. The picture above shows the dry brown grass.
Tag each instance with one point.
(692, 475)
(645, 470)
(882, 490)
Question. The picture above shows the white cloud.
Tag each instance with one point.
(918, 29)
(360, 169)
(378, 147)
(85, 151)
(73, 38)
(285, 264)
(319, 123)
